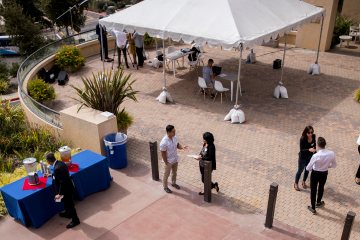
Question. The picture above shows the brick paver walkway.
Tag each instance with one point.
(265, 148)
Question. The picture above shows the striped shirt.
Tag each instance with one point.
(170, 146)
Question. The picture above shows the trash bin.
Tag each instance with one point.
(115, 144)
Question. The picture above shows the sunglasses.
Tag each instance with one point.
(310, 132)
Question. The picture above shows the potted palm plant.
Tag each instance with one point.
(106, 91)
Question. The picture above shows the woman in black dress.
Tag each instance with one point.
(207, 154)
(307, 149)
(357, 178)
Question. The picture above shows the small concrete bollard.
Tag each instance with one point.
(348, 225)
(271, 205)
(154, 160)
(207, 181)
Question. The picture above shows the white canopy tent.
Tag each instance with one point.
(227, 23)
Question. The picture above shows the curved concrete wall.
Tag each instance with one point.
(87, 49)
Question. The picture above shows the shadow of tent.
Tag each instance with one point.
(310, 97)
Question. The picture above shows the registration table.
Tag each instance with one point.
(35, 207)
(176, 55)
(230, 77)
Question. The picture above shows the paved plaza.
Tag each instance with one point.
(264, 149)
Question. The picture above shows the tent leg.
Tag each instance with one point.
(280, 90)
(322, 24)
(164, 95)
(235, 114)
(315, 68)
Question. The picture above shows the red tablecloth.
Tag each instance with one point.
(42, 184)
(74, 167)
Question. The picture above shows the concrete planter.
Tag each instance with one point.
(69, 70)
(48, 103)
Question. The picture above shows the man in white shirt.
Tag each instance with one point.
(168, 148)
(319, 164)
(121, 45)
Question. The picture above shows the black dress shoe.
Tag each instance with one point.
(64, 215)
(127, 66)
(72, 224)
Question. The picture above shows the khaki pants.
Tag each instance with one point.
(167, 169)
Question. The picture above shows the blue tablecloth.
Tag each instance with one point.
(35, 207)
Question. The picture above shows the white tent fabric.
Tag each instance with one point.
(215, 22)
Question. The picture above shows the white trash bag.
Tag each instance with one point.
(314, 69)
(235, 116)
(155, 63)
(280, 91)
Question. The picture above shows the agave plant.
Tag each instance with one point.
(106, 91)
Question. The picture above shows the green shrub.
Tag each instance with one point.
(120, 5)
(14, 68)
(101, 5)
(124, 119)
(4, 86)
(110, 10)
(342, 27)
(40, 90)
(148, 40)
(69, 56)
(357, 95)
(3, 66)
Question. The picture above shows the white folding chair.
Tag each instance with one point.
(194, 64)
(201, 57)
(170, 50)
(167, 61)
(220, 89)
(202, 85)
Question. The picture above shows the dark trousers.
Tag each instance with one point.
(119, 56)
(315, 179)
(302, 163)
(202, 176)
(105, 46)
(139, 53)
(69, 207)
(358, 172)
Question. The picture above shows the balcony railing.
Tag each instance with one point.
(45, 113)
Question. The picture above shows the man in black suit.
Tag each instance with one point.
(63, 188)
(104, 43)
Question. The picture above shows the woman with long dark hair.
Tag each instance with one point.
(357, 177)
(307, 149)
(208, 154)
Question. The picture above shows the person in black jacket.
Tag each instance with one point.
(63, 187)
(307, 149)
(103, 43)
(357, 177)
(208, 153)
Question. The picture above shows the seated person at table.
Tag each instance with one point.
(209, 77)
(63, 187)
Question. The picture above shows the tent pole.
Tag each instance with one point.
(322, 23)
(102, 47)
(156, 44)
(164, 62)
(283, 64)
(238, 81)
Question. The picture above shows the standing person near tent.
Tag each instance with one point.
(209, 77)
(121, 46)
(319, 165)
(132, 48)
(357, 177)
(103, 44)
(208, 153)
(139, 47)
(307, 149)
(168, 148)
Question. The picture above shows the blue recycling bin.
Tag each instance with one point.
(115, 144)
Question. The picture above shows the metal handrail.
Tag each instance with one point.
(18, 73)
